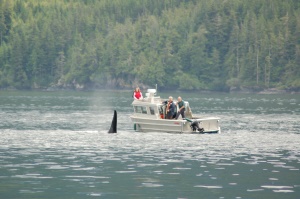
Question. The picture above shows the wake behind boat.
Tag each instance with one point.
(150, 113)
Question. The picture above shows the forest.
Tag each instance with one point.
(213, 45)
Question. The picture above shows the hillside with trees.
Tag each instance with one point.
(190, 45)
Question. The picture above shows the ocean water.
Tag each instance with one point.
(56, 145)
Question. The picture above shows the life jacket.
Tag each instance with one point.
(137, 95)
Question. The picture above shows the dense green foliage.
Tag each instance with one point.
(191, 44)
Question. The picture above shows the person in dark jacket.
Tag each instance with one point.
(170, 108)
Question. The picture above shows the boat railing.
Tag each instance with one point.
(188, 110)
(152, 99)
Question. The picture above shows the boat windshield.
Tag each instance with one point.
(140, 109)
(152, 111)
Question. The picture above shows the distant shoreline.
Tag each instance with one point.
(241, 91)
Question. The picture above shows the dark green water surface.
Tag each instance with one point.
(56, 145)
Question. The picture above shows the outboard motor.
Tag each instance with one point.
(195, 126)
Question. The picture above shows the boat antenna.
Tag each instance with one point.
(156, 88)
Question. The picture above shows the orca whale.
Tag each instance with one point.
(113, 127)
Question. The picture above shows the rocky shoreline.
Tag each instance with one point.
(263, 91)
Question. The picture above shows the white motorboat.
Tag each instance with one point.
(149, 116)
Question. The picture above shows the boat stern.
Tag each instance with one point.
(204, 125)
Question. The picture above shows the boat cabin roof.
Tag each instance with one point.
(150, 99)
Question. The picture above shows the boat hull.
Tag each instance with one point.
(210, 125)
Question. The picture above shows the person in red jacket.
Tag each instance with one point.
(137, 94)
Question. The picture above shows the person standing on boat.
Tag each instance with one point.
(181, 108)
(137, 94)
(170, 108)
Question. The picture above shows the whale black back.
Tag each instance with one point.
(113, 127)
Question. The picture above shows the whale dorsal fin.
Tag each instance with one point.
(113, 127)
